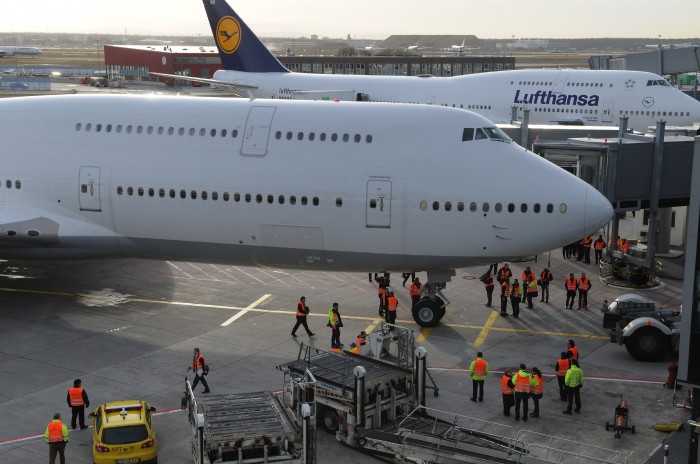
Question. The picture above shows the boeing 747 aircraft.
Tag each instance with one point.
(553, 96)
(12, 50)
(337, 186)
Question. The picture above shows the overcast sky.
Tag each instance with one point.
(376, 19)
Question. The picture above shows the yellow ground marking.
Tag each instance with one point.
(246, 309)
(486, 329)
(324, 315)
(375, 323)
(424, 332)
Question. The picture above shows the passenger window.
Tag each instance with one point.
(472, 206)
(448, 206)
(130, 191)
(523, 207)
(467, 134)
(460, 206)
(511, 207)
(436, 205)
(204, 195)
(258, 198)
(292, 200)
(536, 208)
(485, 207)
(214, 196)
(161, 193)
(550, 207)
(305, 201)
(372, 203)
(498, 207)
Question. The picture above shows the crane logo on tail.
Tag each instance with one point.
(228, 34)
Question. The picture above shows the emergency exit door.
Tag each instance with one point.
(257, 130)
(607, 112)
(89, 184)
(379, 203)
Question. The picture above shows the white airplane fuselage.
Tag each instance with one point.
(565, 96)
(12, 50)
(340, 186)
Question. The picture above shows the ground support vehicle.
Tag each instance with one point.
(124, 432)
(257, 427)
(379, 408)
(648, 333)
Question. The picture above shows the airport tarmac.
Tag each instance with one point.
(127, 329)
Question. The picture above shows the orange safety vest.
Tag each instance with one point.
(625, 247)
(200, 361)
(479, 368)
(336, 350)
(488, 281)
(301, 309)
(414, 290)
(76, 397)
(525, 275)
(584, 284)
(564, 366)
(515, 291)
(504, 273)
(574, 350)
(505, 389)
(619, 244)
(599, 244)
(55, 429)
(522, 383)
(571, 285)
(393, 303)
(586, 242)
(504, 288)
(546, 276)
(539, 387)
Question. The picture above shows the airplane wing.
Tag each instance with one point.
(242, 90)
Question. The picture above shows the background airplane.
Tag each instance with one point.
(12, 50)
(553, 96)
(338, 186)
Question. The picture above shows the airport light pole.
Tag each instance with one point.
(14, 45)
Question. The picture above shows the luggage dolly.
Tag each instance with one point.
(620, 422)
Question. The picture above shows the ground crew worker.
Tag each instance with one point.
(487, 279)
(505, 290)
(302, 311)
(571, 350)
(515, 296)
(527, 273)
(335, 323)
(571, 285)
(382, 294)
(359, 341)
(504, 273)
(586, 244)
(624, 248)
(56, 436)
(574, 382)
(536, 391)
(507, 391)
(531, 291)
(478, 370)
(392, 304)
(562, 365)
(584, 284)
(200, 368)
(406, 276)
(414, 291)
(545, 278)
(77, 399)
(598, 246)
(522, 384)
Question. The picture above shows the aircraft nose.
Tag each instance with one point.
(598, 211)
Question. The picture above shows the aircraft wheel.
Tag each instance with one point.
(427, 312)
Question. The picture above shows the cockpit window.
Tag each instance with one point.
(496, 134)
(480, 134)
(658, 82)
(468, 134)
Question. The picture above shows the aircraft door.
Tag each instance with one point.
(607, 112)
(379, 203)
(257, 130)
(89, 185)
(430, 100)
(560, 81)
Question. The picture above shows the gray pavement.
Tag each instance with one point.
(127, 329)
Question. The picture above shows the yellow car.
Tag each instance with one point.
(124, 433)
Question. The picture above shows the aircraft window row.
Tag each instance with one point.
(485, 133)
(237, 197)
(537, 83)
(498, 207)
(653, 113)
(8, 184)
(566, 110)
(160, 130)
(311, 136)
(585, 84)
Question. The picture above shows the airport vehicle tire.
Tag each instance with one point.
(428, 312)
(647, 344)
(329, 419)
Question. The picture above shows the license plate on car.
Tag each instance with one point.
(127, 461)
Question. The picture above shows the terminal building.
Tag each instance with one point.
(134, 62)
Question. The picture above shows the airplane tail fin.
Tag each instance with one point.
(239, 48)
